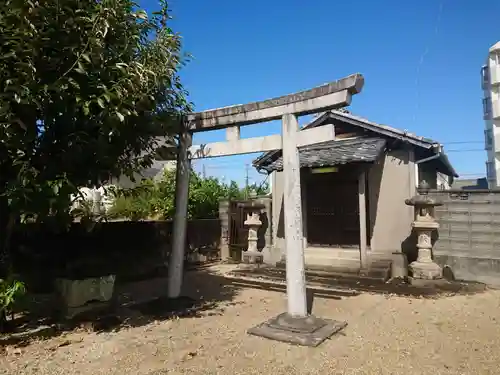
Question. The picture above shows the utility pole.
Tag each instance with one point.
(247, 167)
(204, 171)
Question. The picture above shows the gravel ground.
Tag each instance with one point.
(385, 335)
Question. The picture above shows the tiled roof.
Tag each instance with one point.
(334, 153)
(268, 159)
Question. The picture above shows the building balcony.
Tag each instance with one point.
(495, 109)
(495, 75)
(495, 144)
(495, 47)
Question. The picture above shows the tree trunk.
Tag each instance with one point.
(7, 223)
(3, 322)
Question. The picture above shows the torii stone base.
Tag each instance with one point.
(304, 331)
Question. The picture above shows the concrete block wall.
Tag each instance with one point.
(224, 217)
(468, 240)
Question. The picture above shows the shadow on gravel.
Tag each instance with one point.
(205, 294)
(134, 305)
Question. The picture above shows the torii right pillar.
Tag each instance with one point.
(295, 326)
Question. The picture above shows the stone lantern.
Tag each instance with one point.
(252, 255)
(424, 267)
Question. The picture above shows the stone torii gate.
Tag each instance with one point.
(295, 325)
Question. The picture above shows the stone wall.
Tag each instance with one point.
(130, 250)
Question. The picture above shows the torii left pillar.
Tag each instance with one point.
(176, 259)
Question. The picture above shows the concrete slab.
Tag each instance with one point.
(308, 331)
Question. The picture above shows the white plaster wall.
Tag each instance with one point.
(277, 220)
(155, 172)
(391, 180)
(278, 232)
(103, 194)
(443, 181)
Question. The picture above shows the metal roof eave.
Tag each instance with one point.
(443, 158)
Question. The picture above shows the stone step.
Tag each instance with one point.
(341, 263)
(318, 281)
(343, 284)
(331, 253)
(376, 271)
(276, 283)
(333, 273)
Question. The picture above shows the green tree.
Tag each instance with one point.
(255, 188)
(86, 87)
(157, 199)
(204, 196)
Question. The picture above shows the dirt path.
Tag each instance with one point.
(385, 335)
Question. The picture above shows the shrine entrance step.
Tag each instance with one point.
(340, 285)
(379, 270)
(322, 280)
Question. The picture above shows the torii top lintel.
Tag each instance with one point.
(332, 95)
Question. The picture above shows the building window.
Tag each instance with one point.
(486, 107)
(490, 170)
(485, 77)
(488, 139)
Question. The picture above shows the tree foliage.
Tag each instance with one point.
(10, 291)
(86, 87)
(157, 199)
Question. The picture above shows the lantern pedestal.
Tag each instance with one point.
(424, 268)
(252, 255)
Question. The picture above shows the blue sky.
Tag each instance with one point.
(420, 58)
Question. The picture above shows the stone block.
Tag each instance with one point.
(252, 257)
(426, 270)
(399, 266)
(76, 293)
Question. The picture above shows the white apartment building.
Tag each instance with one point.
(490, 76)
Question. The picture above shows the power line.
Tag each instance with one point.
(468, 150)
(223, 166)
(461, 142)
(247, 167)
(263, 182)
